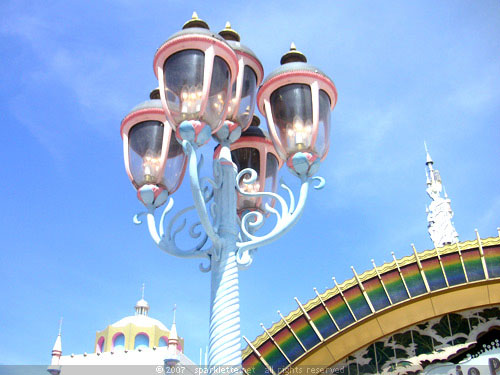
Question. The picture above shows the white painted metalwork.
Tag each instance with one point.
(227, 242)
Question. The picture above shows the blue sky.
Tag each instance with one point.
(71, 70)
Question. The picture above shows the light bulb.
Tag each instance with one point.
(191, 99)
(151, 167)
(254, 187)
(299, 134)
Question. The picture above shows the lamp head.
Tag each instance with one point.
(195, 70)
(152, 155)
(244, 90)
(297, 99)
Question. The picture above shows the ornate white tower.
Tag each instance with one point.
(439, 213)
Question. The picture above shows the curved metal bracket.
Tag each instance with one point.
(167, 241)
(198, 193)
(286, 216)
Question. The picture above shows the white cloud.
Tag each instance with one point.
(477, 94)
(364, 156)
(87, 71)
(491, 215)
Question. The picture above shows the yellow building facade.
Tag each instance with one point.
(135, 332)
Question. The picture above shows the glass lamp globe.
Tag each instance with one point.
(152, 155)
(195, 69)
(297, 99)
(244, 90)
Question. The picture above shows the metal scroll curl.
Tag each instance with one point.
(287, 215)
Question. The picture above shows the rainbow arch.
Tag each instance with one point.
(378, 302)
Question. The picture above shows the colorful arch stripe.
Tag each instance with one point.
(413, 279)
(473, 265)
(434, 274)
(339, 311)
(376, 293)
(395, 286)
(492, 255)
(453, 268)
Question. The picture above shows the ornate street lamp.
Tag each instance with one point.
(195, 69)
(297, 99)
(207, 87)
(154, 160)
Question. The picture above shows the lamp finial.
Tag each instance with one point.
(229, 34)
(154, 94)
(293, 55)
(195, 21)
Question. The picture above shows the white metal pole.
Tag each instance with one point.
(224, 335)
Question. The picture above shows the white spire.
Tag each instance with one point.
(439, 212)
(57, 349)
(429, 159)
(173, 338)
(142, 307)
(172, 355)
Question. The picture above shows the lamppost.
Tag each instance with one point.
(208, 87)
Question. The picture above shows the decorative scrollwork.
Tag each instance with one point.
(321, 182)
(167, 240)
(136, 219)
(208, 267)
(286, 215)
(245, 258)
(207, 185)
(200, 196)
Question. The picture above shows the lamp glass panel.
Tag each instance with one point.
(184, 72)
(244, 113)
(291, 107)
(323, 138)
(232, 111)
(247, 102)
(271, 178)
(145, 145)
(219, 93)
(174, 167)
(247, 157)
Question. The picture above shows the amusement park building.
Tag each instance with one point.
(431, 312)
(136, 344)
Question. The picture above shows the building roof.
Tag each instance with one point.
(141, 321)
